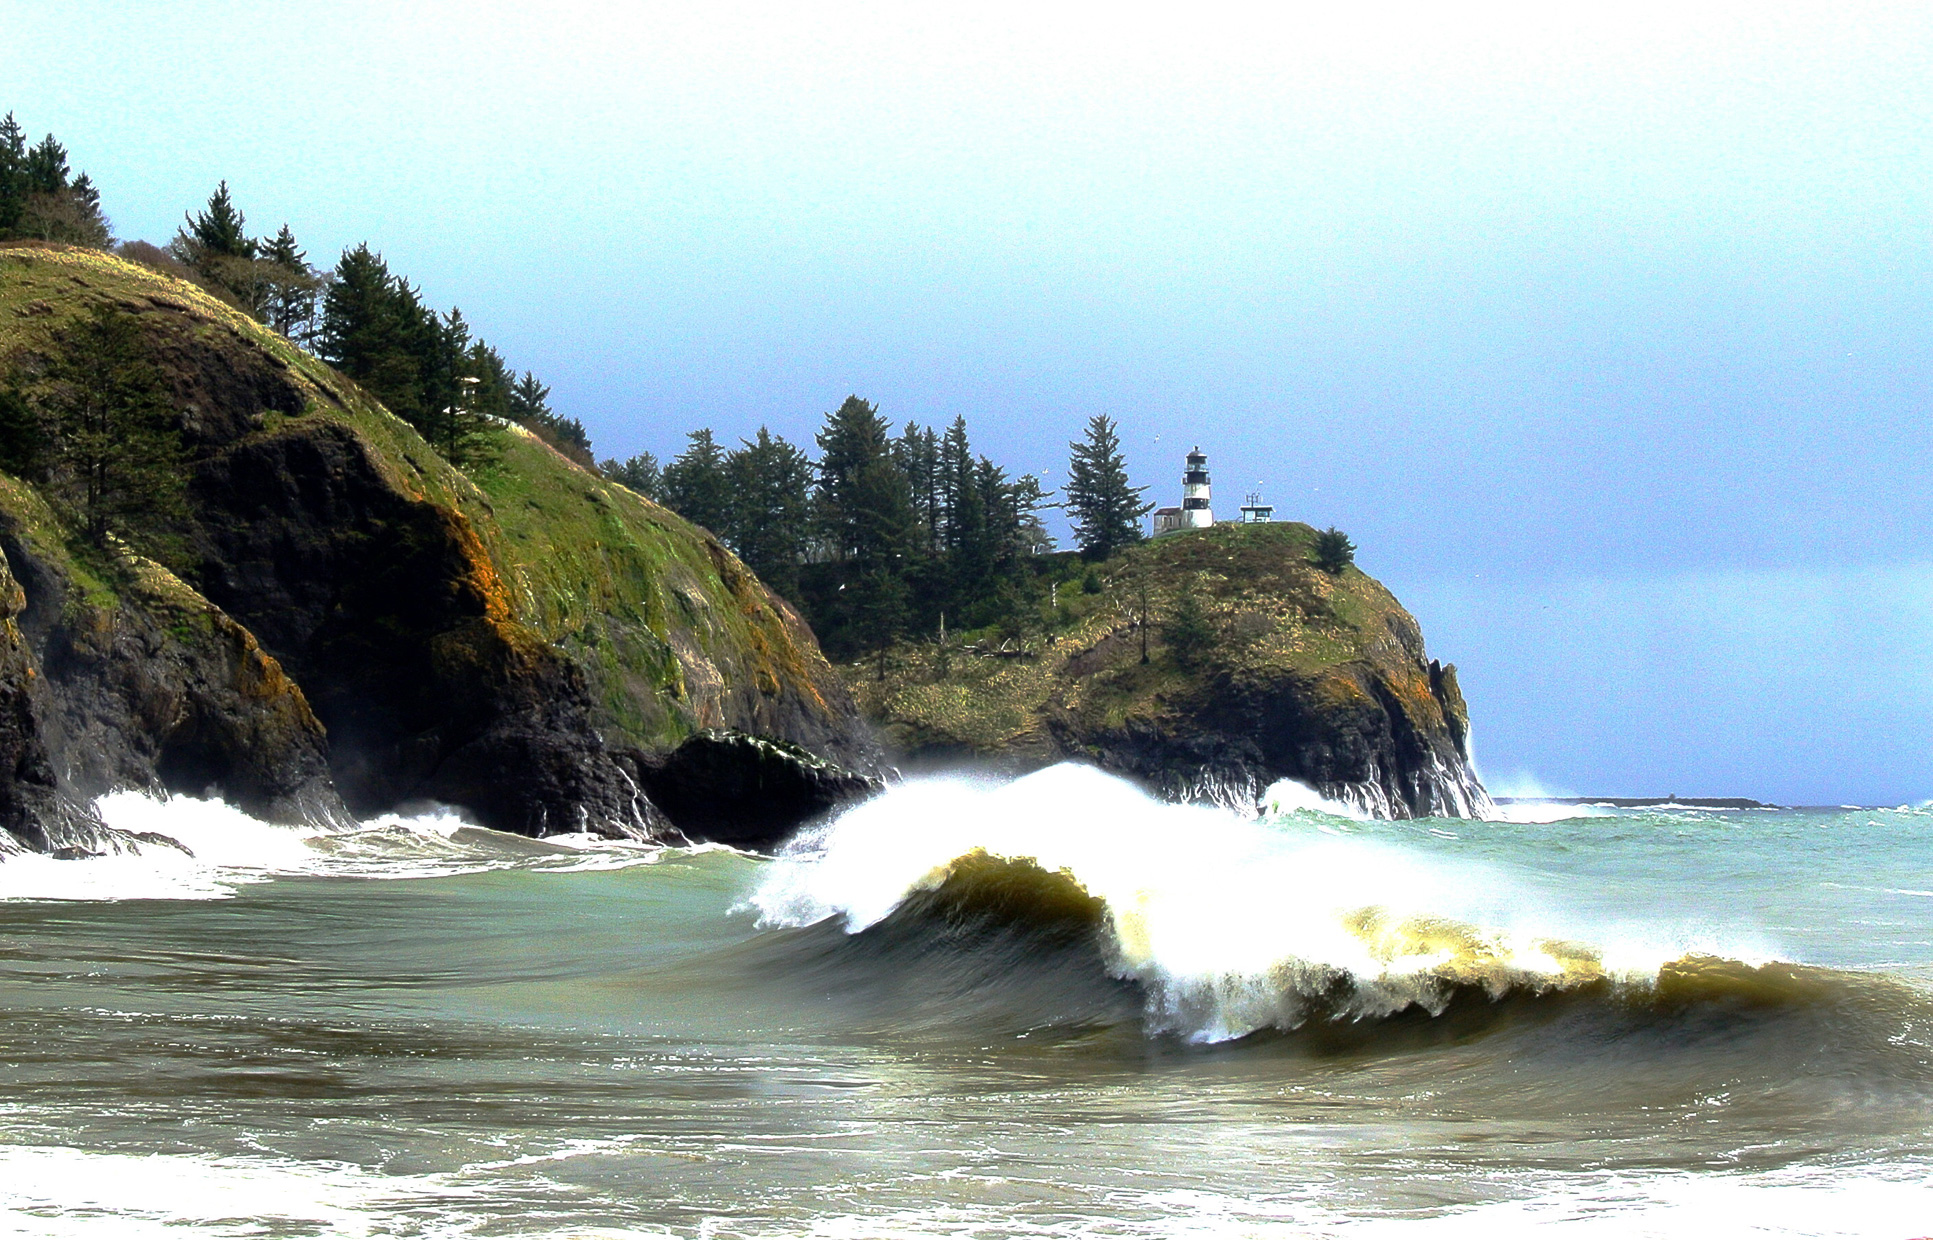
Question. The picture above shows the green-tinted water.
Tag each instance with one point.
(540, 1048)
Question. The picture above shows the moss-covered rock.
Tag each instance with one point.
(503, 642)
(1289, 672)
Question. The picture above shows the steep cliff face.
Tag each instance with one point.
(1291, 673)
(114, 673)
(515, 642)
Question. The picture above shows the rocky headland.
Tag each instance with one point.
(348, 624)
(1206, 664)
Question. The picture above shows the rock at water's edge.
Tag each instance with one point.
(746, 791)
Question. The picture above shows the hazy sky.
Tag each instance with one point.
(1603, 332)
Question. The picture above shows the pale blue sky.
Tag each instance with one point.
(1603, 330)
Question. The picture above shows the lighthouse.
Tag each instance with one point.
(1195, 512)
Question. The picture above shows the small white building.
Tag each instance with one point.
(1195, 512)
(1255, 512)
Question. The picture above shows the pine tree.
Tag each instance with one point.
(1106, 511)
(530, 400)
(529, 406)
(222, 230)
(115, 464)
(37, 198)
(1189, 632)
(215, 245)
(292, 285)
(85, 224)
(1333, 551)
(457, 417)
(769, 526)
(376, 331)
(46, 167)
(23, 440)
(640, 473)
(695, 485)
(917, 452)
(854, 440)
(13, 174)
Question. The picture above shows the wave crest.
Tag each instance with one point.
(1229, 926)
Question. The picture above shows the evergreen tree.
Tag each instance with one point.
(80, 220)
(115, 461)
(376, 331)
(878, 611)
(960, 515)
(38, 200)
(23, 440)
(917, 452)
(215, 245)
(1106, 510)
(457, 419)
(854, 440)
(1333, 551)
(1189, 632)
(1026, 502)
(222, 230)
(46, 167)
(695, 485)
(529, 405)
(293, 285)
(13, 174)
(530, 400)
(770, 484)
(640, 473)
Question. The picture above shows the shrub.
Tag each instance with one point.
(1189, 632)
(1333, 551)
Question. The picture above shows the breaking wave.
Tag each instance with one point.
(1229, 926)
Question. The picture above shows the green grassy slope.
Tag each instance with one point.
(1275, 618)
(673, 633)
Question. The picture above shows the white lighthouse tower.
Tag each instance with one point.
(1195, 512)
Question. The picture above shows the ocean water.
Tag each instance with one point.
(1049, 1007)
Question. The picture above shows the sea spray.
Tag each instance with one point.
(1229, 925)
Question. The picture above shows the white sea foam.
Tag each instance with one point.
(61, 1193)
(1286, 798)
(1231, 925)
(222, 849)
(1537, 813)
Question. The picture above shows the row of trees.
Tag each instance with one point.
(40, 198)
(885, 534)
(373, 325)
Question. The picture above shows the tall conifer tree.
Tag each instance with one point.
(695, 486)
(13, 174)
(1105, 509)
(769, 525)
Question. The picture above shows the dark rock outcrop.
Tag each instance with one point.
(117, 674)
(746, 791)
(388, 610)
